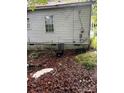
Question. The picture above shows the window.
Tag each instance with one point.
(28, 23)
(49, 24)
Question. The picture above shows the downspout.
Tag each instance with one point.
(80, 17)
(90, 22)
(73, 26)
(82, 28)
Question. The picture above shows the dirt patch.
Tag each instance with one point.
(68, 76)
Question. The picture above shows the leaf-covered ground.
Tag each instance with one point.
(68, 76)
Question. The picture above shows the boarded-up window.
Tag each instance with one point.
(28, 23)
(49, 24)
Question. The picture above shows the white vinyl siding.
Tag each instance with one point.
(28, 23)
(67, 26)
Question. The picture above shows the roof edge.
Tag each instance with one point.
(63, 5)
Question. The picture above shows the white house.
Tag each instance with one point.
(59, 23)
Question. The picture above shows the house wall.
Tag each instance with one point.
(65, 28)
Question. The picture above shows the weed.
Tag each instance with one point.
(88, 59)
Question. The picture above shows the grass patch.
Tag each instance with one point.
(89, 59)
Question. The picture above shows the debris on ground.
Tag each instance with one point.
(41, 72)
(68, 76)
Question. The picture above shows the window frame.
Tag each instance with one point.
(49, 24)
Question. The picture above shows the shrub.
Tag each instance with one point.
(93, 42)
(88, 59)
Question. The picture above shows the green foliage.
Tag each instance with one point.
(94, 8)
(94, 16)
(88, 59)
(32, 3)
(94, 26)
(37, 1)
(93, 42)
(89, 65)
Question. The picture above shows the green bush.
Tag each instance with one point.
(88, 59)
(94, 42)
